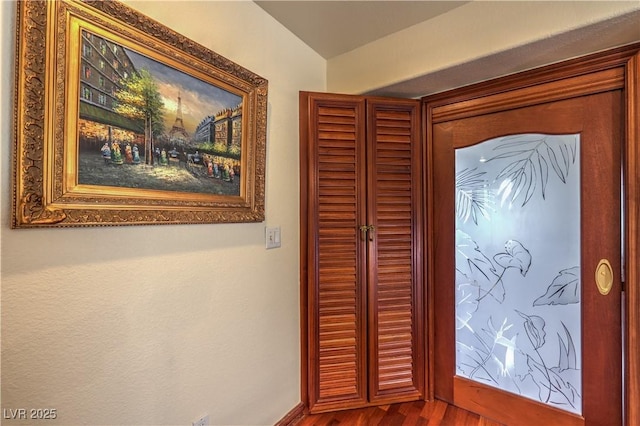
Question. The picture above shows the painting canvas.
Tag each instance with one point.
(193, 137)
(128, 122)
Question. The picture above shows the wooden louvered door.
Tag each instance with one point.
(335, 264)
(394, 210)
(360, 251)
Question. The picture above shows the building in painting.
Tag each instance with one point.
(103, 65)
(236, 130)
(204, 130)
(222, 130)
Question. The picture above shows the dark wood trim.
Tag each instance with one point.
(559, 71)
(428, 265)
(442, 263)
(483, 401)
(582, 85)
(293, 416)
(632, 251)
(419, 257)
(304, 253)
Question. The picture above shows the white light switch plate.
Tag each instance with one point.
(272, 236)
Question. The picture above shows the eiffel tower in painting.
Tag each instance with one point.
(178, 133)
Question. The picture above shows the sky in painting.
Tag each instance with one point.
(199, 99)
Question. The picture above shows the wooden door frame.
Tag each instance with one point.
(623, 67)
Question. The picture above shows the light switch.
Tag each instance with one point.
(272, 236)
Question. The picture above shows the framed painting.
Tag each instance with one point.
(121, 121)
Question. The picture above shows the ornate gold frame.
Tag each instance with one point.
(46, 192)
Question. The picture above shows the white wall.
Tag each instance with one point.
(163, 324)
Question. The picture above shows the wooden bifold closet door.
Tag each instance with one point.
(361, 251)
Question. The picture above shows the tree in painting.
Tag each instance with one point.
(139, 98)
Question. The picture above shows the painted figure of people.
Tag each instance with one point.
(116, 154)
(209, 162)
(106, 153)
(225, 173)
(128, 154)
(163, 157)
(136, 154)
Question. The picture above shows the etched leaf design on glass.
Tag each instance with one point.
(540, 376)
(466, 301)
(567, 372)
(568, 358)
(473, 265)
(472, 195)
(562, 390)
(505, 360)
(493, 354)
(522, 190)
(531, 156)
(515, 256)
(555, 385)
(534, 326)
(563, 290)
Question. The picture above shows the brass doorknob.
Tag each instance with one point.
(604, 277)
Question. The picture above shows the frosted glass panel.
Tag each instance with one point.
(518, 266)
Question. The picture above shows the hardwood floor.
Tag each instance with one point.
(432, 413)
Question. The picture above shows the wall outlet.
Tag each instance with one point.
(202, 421)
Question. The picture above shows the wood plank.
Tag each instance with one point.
(414, 413)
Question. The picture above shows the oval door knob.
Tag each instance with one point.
(604, 277)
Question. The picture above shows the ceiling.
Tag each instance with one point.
(332, 28)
